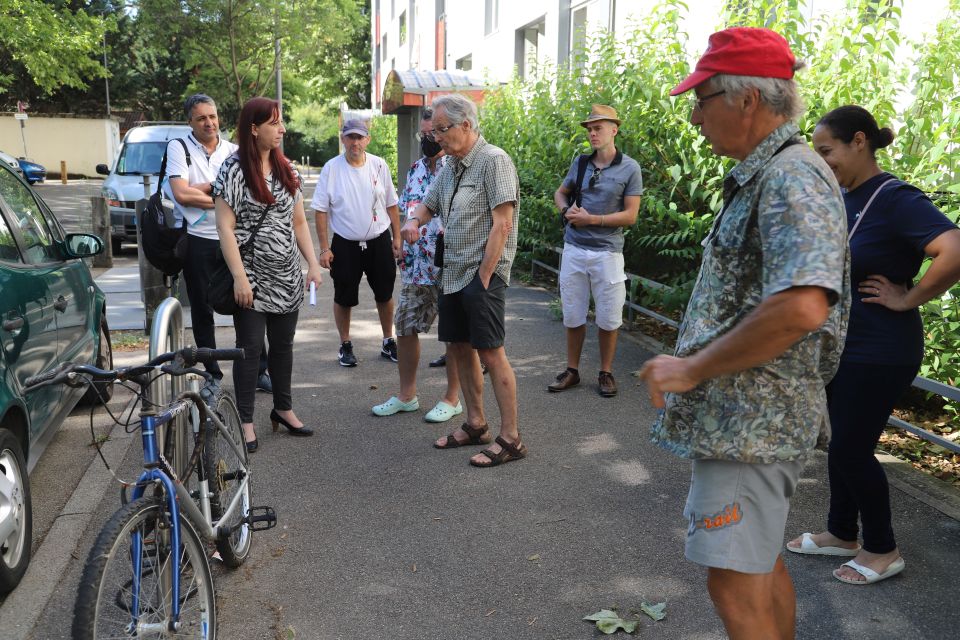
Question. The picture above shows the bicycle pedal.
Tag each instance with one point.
(261, 518)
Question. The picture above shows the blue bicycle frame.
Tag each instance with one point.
(155, 473)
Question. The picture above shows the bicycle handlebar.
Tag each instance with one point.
(184, 359)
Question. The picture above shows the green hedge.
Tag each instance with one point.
(850, 58)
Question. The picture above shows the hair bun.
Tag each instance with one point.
(885, 137)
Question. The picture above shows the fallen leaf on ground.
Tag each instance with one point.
(655, 611)
(534, 558)
(609, 622)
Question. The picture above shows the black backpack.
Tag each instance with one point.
(164, 246)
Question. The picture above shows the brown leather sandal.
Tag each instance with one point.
(476, 435)
(509, 452)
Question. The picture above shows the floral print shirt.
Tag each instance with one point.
(417, 265)
(784, 226)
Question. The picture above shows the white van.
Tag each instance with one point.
(140, 154)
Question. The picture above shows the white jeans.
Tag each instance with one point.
(583, 272)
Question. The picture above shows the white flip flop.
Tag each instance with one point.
(871, 576)
(809, 547)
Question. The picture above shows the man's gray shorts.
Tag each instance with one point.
(737, 513)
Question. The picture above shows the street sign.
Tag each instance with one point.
(20, 116)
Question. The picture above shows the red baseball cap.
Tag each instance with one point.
(742, 51)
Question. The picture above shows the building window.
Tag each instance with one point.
(403, 28)
(491, 16)
(578, 31)
(383, 47)
(465, 63)
(529, 49)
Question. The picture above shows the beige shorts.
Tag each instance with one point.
(416, 309)
(737, 513)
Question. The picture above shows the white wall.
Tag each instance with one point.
(82, 142)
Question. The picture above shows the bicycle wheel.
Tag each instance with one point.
(105, 599)
(225, 472)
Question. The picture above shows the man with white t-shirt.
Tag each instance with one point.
(356, 197)
(188, 185)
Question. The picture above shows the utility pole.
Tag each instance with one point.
(106, 78)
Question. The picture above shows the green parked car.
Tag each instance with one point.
(50, 312)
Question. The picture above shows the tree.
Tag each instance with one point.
(53, 45)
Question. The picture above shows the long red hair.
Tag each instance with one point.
(256, 111)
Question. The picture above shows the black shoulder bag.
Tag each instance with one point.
(220, 290)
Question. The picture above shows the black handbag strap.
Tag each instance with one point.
(249, 241)
(577, 195)
(163, 163)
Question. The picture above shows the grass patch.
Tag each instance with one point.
(129, 340)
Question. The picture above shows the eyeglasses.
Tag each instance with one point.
(595, 178)
(697, 103)
(424, 136)
(441, 130)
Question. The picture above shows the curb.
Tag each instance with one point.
(25, 605)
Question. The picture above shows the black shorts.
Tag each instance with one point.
(351, 262)
(474, 314)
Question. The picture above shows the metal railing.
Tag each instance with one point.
(924, 384)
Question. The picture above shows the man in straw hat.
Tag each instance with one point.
(763, 331)
(599, 196)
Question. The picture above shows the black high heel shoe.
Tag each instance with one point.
(294, 431)
(252, 445)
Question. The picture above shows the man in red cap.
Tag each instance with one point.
(743, 396)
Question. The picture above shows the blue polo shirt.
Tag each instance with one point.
(890, 242)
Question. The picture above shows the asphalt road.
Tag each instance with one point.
(382, 536)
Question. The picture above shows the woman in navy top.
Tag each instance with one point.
(893, 227)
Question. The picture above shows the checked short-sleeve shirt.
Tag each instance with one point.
(464, 196)
(784, 226)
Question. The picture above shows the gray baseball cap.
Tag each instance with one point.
(354, 126)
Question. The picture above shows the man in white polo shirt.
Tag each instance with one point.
(356, 196)
(188, 185)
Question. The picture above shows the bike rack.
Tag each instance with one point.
(166, 334)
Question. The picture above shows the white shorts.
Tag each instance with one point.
(584, 272)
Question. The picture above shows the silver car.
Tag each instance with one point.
(140, 155)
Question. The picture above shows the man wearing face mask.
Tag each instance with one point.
(419, 292)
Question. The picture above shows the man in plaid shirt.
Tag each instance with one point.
(477, 195)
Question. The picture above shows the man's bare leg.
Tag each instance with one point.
(452, 396)
(505, 389)
(341, 317)
(408, 357)
(471, 382)
(608, 348)
(385, 311)
(754, 606)
(575, 338)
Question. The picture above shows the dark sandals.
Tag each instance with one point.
(476, 435)
(509, 451)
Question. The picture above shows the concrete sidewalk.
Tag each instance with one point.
(382, 536)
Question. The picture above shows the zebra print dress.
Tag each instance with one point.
(273, 263)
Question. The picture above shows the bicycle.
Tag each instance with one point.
(148, 574)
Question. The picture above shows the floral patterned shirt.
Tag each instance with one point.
(783, 226)
(417, 266)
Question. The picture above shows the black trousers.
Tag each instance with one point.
(201, 259)
(860, 398)
(280, 329)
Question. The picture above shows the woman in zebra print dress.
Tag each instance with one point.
(258, 181)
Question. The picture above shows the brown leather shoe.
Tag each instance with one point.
(608, 386)
(565, 380)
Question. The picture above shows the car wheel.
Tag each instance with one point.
(16, 517)
(101, 391)
(117, 245)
